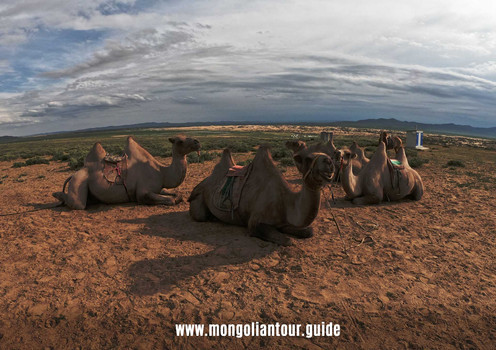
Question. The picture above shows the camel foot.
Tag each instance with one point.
(306, 232)
(164, 192)
(178, 198)
(157, 199)
(270, 234)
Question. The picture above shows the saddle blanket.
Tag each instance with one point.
(228, 196)
(115, 169)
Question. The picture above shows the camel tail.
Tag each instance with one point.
(65, 183)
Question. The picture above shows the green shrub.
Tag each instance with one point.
(18, 164)
(282, 153)
(76, 163)
(455, 163)
(37, 160)
(286, 162)
(417, 162)
(204, 156)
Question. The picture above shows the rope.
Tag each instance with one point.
(363, 240)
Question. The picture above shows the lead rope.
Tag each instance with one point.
(345, 250)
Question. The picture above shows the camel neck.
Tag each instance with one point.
(305, 206)
(350, 182)
(173, 175)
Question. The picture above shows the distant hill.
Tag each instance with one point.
(394, 124)
(380, 123)
(4, 139)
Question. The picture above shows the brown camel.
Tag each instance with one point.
(340, 157)
(137, 177)
(392, 142)
(382, 179)
(266, 204)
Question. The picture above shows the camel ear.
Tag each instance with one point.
(172, 140)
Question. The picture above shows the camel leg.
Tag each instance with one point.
(368, 199)
(268, 233)
(77, 191)
(198, 210)
(165, 192)
(155, 198)
(306, 232)
(418, 190)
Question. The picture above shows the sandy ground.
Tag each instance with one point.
(123, 276)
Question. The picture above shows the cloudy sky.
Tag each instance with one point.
(71, 64)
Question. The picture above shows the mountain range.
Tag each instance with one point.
(380, 123)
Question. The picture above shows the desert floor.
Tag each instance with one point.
(416, 274)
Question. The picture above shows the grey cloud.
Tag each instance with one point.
(138, 45)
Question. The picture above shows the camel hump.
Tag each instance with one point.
(96, 153)
(401, 156)
(263, 157)
(130, 140)
(263, 152)
(227, 158)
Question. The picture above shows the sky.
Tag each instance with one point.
(71, 64)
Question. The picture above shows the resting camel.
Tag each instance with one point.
(340, 157)
(265, 202)
(382, 179)
(136, 177)
(392, 142)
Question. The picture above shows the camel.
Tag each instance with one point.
(266, 204)
(340, 157)
(392, 142)
(382, 179)
(136, 177)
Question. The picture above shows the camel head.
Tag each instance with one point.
(183, 145)
(295, 145)
(317, 167)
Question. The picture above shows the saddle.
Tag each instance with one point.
(395, 170)
(228, 195)
(115, 169)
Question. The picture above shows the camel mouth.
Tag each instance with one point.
(327, 176)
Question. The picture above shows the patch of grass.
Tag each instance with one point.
(455, 163)
(18, 165)
(37, 160)
(76, 163)
(286, 162)
(417, 162)
(31, 161)
(204, 156)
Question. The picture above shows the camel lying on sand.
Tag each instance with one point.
(340, 157)
(392, 142)
(264, 201)
(137, 176)
(382, 179)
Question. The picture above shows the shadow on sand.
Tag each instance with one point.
(230, 245)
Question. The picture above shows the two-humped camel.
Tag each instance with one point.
(382, 179)
(140, 177)
(267, 205)
(340, 157)
(392, 142)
